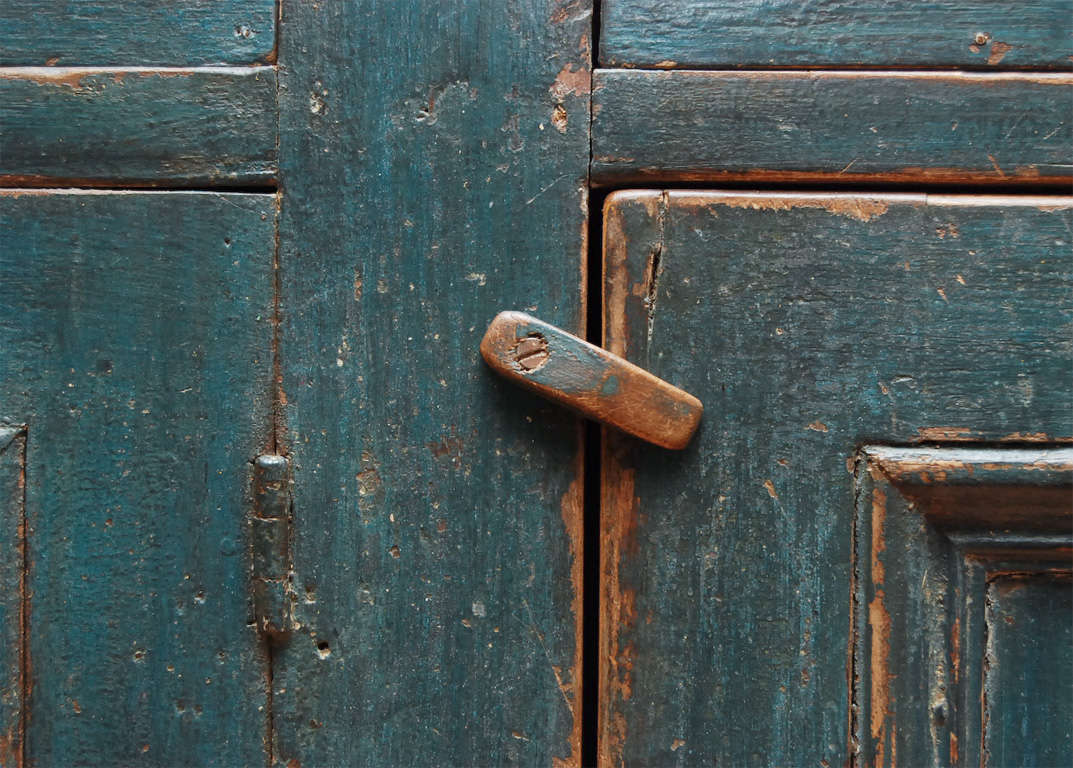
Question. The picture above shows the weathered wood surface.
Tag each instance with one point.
(135, 344)
(1030, 673)
(844, 33)
(832, 126)
(935, 530)
(590, 380)
(437, 509)
(809, 325)
(110, 33)
(12, 454)
(137, 127)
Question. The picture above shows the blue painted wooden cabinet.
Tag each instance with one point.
(261, 503)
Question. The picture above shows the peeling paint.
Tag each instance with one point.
(879, 623)
(861, 208)
(571, 506)
(998, 52)
(618, 602)
(929, 434)
(571, 80)
(770, 488)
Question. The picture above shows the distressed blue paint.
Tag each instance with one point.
(1030, 671)
(135, 343)
(844, 33)
(105, 33)
(786, 126)
(207, 126)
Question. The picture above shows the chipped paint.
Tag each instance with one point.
(998, 52)
(617, 601)
(572, 510)
(74, 77)
(571, 80)
(859, 207)
(929, 434)
(879, 623)
(938, 465)
(618, 285)
(559, 118)
(955, 650)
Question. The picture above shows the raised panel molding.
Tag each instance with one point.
(941, 534)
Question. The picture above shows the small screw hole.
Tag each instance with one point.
(531, 352)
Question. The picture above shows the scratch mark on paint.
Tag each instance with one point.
(998, 170)
(543, 645)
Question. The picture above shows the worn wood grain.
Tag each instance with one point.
(109, 33)
(809, 324)
(137, 127)
(934, 536)
(437, 509)
(1030, 671)
(135, 343)
(838, 127)
(12, 551)
(581, 376)
(844, 33)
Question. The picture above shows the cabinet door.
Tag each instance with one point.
(874, 518)
(135, 372)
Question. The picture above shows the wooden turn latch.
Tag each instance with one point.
(590, 380)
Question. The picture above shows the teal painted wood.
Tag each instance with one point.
(436, 509)
(810, 325)
(1030, 674)
(135, 343)
(137, 127)
(832, 126)
(934, 529)
(12, 455)
(844, 33)
(108, 33)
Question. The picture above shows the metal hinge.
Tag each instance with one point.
(271, 534)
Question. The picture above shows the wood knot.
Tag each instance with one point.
(531, 352)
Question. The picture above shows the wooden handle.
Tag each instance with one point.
(602, 386)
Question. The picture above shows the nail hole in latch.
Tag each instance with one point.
(531, 352)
